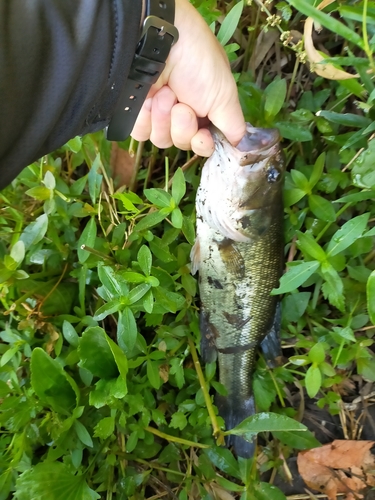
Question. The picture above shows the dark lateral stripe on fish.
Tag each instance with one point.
(233, 319)
(237, 348)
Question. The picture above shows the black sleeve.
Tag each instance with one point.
(62, 66)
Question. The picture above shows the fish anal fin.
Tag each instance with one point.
(271, 344)
(208, 338)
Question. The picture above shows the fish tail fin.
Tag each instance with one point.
(271, 344)
(233, 413)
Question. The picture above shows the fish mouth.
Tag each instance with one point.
(256, 144)
(258, 140)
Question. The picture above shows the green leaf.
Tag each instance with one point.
(265, 422)
(346, 119)
(178, 371)
(87, 238)
(161, 250)
(83, 434)
(153, 374)
(95, 179)
(158, 197)
(223, 459)
(266, 491)
(317, 172)
(144, 258)
(328, 21)
(78, 186)
(356, 197)
(347, 234)
(178, 421)
(70, 334)
(293, 196)
(105, 428)
(296, 276)
(230, 23)
(95, 353)
(189, 283)
(75, 144)
(109, 279)
(188, 229)
(8, 355)
(275, 94)
(176, 218)
(150, 220)
(138, 292)
(126, 330)
(34, 232)
(299, 360)
(52, 481)
(151, 280)
(322, 208)
(333, 286)
(18, 251)
(6, 483)
(370, 292)
(308, 245)
(106, 309)
(363, 172)
(49, 180)
(120, 358)
(178, 186)
(294, 306)
(294, 131)
(40, 193)
(317, 354)
(148, 301)
(345, 333)
(300, 180)
(313, 381)
(132, 277)
(50, 382)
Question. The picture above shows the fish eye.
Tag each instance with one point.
(272, 174)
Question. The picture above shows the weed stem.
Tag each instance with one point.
(216, 429)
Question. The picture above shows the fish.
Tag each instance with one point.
(238, 253)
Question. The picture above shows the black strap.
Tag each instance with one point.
(157, 37)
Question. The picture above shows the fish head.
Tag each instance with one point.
(241, 181)
(261, 168)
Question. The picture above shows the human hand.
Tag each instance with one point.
(196, 84)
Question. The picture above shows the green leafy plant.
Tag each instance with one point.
(102, 393)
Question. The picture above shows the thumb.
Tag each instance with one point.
(227, 116)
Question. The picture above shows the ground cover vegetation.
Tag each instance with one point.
(102, 395)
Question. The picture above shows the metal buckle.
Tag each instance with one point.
(163, 26)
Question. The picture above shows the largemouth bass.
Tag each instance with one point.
(239, 255)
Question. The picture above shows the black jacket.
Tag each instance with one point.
(62, 66)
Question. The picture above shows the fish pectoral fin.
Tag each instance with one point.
(195, 257)
(209, 334)
(271, 344)
(232, 258)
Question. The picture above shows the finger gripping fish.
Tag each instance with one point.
(239, 255)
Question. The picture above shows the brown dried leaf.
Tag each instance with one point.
(164, 373)
(265, 42)
(218, 492)
(122, 165)
(315, 58)
(339, 467)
